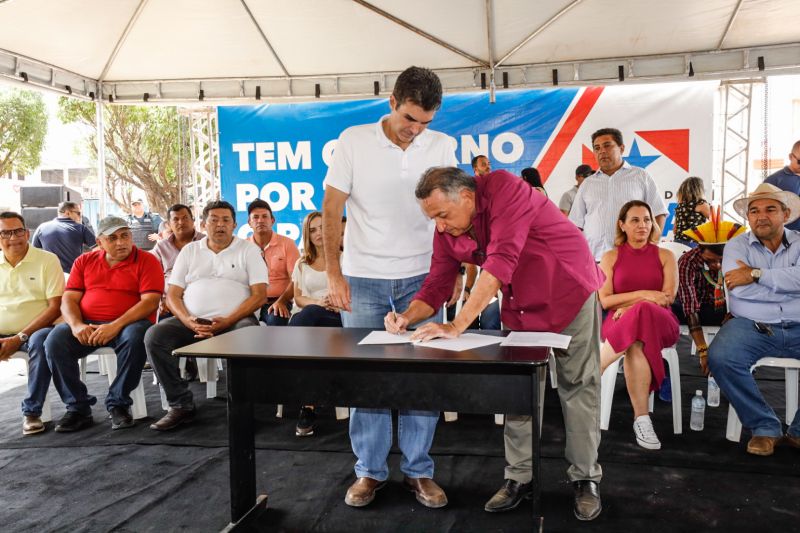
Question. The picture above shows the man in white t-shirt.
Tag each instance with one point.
(217, 285)
(374, 171)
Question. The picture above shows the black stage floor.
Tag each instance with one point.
(141, 480)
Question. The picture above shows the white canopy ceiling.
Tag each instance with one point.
(239, 49)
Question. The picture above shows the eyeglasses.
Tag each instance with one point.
(8, 233)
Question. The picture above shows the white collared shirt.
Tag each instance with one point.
(387, 235)
(596, 206)
(215, 284)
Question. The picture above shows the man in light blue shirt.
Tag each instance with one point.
(762, 276)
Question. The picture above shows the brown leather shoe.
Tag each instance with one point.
(362, 492)
(174, 418)
(761, 445)
(428, 492)
(791, 440)
(32, 425)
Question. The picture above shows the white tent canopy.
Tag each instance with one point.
(186, 50)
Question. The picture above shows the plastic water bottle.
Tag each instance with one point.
(713, 392)
(698, 411)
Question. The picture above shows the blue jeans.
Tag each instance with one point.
(63, 351)
(736, 348)
(315, 315)
(490, 316)
(272, 319)
(371, 429)
(38, 373)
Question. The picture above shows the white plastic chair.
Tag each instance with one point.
(733, 432)
(609, 378)
(207, 372)
(709, 332)
(675, 247)
(107, 357)
(47, 414)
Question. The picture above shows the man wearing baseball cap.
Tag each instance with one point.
(111, 299)
(144, 225)
(762, 276)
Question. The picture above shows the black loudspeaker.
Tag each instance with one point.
(47, 195)
(34, 216)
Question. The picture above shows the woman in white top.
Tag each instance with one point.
(311, 304)
(312, 307)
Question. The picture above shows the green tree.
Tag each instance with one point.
(23, 127)
(142, 149)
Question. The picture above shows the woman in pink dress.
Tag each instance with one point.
(641, 283)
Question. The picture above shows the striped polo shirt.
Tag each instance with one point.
(600, 198)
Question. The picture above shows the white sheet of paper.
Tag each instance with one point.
(467, 341)
(537, 338)
(384, 337)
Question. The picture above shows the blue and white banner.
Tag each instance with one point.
(280, 152)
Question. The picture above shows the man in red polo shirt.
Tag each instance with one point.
(110, 300)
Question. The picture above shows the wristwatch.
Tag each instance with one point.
(22, 336)
(755, 274)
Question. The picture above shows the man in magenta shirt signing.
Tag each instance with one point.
(549, 279)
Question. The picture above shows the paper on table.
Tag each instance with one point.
(467, 341)
(384, 337)
(537, 338)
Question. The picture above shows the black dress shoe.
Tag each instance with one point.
(120, 417)
(306, 422)
(73, 421)
(509, 496)
(587, 500)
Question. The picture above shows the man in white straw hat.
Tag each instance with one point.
(762, 276)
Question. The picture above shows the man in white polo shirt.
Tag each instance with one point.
(374, 171)
(216, 285)
(597, 203)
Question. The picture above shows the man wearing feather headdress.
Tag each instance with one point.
(701, 291)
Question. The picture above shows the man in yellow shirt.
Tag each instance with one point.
(31, 285)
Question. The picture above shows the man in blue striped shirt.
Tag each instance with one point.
(762, 276)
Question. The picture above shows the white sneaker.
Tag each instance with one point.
(645, 434)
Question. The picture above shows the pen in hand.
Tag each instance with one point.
(394, 309)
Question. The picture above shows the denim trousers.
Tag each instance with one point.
(38, 372)
(271, 319)
(371, 430)
(63, 351)
(160, 341)
(736, 348)
(488, 319)
(316, 315)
